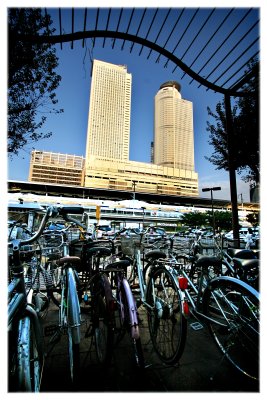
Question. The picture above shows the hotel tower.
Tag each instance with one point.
(108, 133)
(173, 129)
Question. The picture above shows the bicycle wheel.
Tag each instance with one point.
(102, 318)
(233, 307)
(74, 322)
(74, 358)
(167, 325)
(29, 357)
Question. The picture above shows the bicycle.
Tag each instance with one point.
(69, 316)
(228, 306)
(69, 307)
(107, 291)
(162, 297)
(25, 337)
(125, 301)
(97, 298)
(243, 264)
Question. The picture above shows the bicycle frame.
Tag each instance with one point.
(143, 287)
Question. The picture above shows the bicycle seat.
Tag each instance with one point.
(69, 259)
(115, 266)
(208, 261)
(256, 252)
(245, 264)
(100, 251)
(241, 253)
(154, 255)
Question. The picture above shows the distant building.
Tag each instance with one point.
(173, 128)
(56, 168)
(140, 177)
(254, 193)
(108, 133)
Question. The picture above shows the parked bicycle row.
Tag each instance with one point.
(109, 280)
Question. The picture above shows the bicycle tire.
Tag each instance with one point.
(74, 359)
(29, 359)
(233, 306)
(138, 353)
(102, 319)
(167, 325)
(74, 322)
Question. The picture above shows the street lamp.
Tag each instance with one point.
(143, 208)
(211, 190)
(133, 186)
(241, 198)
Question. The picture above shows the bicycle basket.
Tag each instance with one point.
(129, 243)
(81, 249)
(40, 279)
(73, 234)
(51, 245)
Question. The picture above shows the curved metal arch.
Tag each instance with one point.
(70, 37)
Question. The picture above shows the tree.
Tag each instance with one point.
(253, 218)
(223, 219)
(245, 116)
(32, 79)
(194, 219)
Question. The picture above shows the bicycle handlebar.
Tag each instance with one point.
(51, 212)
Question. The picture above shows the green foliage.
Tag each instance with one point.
(253, 218)
(223, 219)
(245, 119)
(32, 78)
(194, 219)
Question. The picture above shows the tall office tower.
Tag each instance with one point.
(173, 128)
(108, 133)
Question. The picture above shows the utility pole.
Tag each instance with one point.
(231, 167)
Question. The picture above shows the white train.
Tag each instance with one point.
(109, 209)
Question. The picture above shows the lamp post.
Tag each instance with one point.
(241, 198)
(133, 186)
(143, 208)
(211, 190)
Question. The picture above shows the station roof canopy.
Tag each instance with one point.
(209, 47)
(118, 195)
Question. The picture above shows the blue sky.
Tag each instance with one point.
(69, 129)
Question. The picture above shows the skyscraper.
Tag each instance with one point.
(107, 163)
(108, 133)
(173, 128)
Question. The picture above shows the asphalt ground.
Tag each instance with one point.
(200, 369)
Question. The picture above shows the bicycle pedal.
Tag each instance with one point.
(50, 330)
